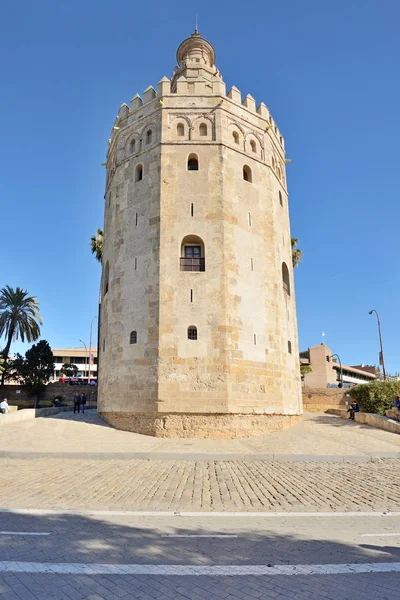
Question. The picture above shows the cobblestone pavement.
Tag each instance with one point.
(351, 555)
(205, 485)
(318, 434)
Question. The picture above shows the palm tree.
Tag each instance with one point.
(297, 254)
(19, 318)
(96, 243)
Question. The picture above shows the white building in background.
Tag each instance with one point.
(75, 356)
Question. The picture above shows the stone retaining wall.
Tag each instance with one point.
(16, 395)
(322, 399)
(30, 413)
(371, 419)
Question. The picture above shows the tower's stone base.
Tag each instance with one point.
(218, 426)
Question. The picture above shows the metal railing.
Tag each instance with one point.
(193, 264)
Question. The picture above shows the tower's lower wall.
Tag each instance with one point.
(217, 426)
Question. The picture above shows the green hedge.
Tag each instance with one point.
(376, 397)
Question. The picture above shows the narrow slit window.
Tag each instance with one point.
(289, 347)
(149, 137)
(249, 219)
(251, 264)
(280, 198)
(191, 295)
(192, 209)
(285, 278)
(139, 173)
(192, 332)
(104, 345)
(133, 337)
(255, 339)
(135, 263)
(136, 219)
(133, 145)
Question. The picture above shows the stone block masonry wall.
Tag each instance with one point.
(52, 389)
(322, 399)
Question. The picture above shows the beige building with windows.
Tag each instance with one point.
(75, 356)
(327, 373)
(198, 333)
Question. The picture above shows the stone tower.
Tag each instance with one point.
(198, 334)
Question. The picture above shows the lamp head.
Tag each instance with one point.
(370, 312)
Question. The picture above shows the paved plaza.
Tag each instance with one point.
(89, 512)
(77, 435)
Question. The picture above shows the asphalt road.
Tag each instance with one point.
(94, 556)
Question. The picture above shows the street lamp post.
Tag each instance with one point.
(381, 358)
(82, 342)
(90, 347)
(328, 358)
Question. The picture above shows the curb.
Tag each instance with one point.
(321, 458)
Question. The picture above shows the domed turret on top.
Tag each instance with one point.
(196, 59)
(196, 49)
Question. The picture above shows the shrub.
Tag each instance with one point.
(376, 397)
(58, 400)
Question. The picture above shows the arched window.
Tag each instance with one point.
(106, 277)
(133, 337)
(192, 254)
(253, 146)
(149, 136)
(280, 198)
(247, 174)
(133, 145)
(139, 173)
(285, 278)
(235, 137)
(192, 332)
(193, 162)
(180, 130)
(203, 129)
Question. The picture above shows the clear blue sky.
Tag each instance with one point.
(329, 73)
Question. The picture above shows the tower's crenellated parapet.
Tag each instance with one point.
(198, 331)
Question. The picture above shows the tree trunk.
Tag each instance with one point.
(6, 352)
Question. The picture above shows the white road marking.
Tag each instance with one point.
(183, 570)
(195, 535)
(22, 533)
(380, 534)
(161, 513)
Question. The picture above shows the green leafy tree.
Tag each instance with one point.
(35, 370)
(69, 370)
(304, 370)
(96, 243)
(297, 254)
(19, 319)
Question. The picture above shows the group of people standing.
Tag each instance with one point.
(79, 401)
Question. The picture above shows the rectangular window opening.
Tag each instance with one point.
(255, 339)
(192, 209)
(136, 219)
(289, 347)
(251, 264)
(191, 295)
(135, 263)
(249, 219)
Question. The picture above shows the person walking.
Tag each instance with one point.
(77, 402)
(83, 402)
(354, 407)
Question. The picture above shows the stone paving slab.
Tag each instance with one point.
(204, 486)
(318, 437)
